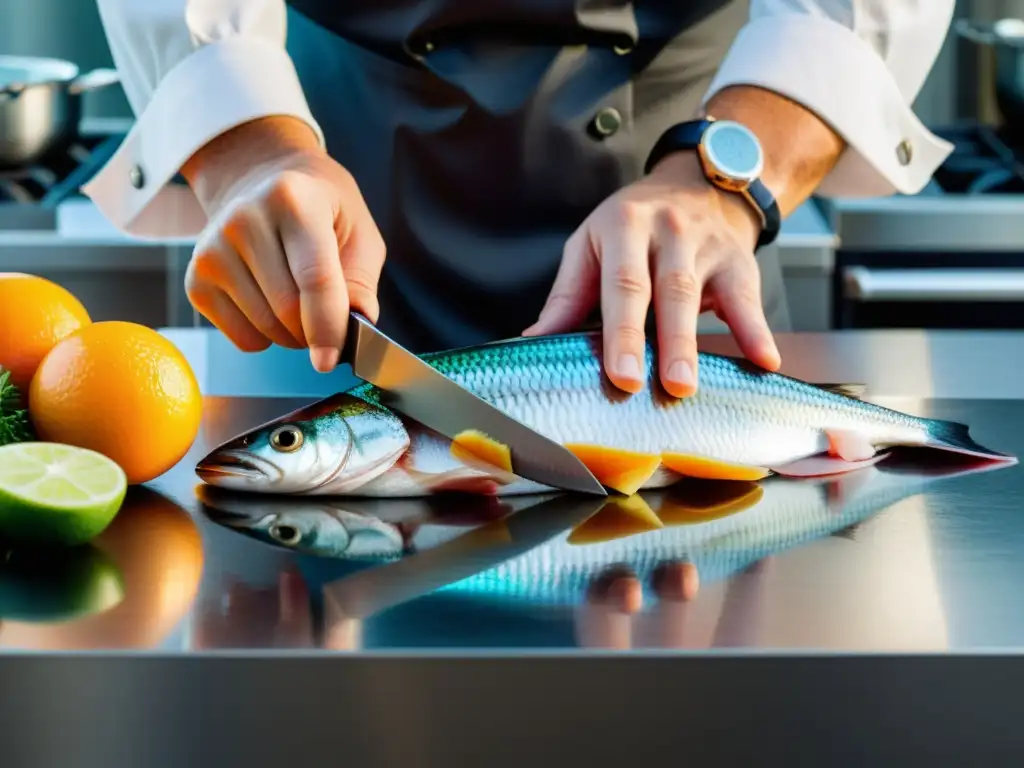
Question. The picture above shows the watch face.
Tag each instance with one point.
(733, 150)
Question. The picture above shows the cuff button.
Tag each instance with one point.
(905, 152)
(136, 177)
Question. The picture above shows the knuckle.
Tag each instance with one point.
(632, 280)
(676, 221)
(679, 285)
(287, 190)
(631, 336)
(204, 266)
(313, 276)
(630, 213)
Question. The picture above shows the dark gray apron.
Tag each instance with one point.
(481, 134)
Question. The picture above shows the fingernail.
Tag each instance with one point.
(628, 367)
(323, 358)
(681, 372)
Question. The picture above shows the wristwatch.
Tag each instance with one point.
(732, 160)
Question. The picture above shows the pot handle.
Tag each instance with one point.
(11, 91)
(91, 81)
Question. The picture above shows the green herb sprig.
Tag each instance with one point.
(15, 426)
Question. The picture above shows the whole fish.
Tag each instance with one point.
(743, 423)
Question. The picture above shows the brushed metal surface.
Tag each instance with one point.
(416, 389)
(898, 637)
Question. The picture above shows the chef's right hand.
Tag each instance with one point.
(290, 246)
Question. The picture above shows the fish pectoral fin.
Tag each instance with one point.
(706, 468)
(849, 445)
(620, 470)
(474, 446)
(823, 464)
(617, 519)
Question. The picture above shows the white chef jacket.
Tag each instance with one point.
(859, 64)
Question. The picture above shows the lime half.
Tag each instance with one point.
(55, 494)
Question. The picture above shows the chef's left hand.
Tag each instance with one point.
(694, 244)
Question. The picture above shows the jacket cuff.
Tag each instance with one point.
(218, 87)
(828, 69)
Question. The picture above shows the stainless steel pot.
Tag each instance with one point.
(1006, 38)
(41, 105)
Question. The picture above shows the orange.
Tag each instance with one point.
(34, 315)
(122, 390)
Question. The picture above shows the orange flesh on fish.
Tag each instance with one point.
(622, 471)
(711, 469)
(472, 444)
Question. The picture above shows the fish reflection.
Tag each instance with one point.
(554, 550)
(720, 528)
(354, 528)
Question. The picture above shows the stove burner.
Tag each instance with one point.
(982, 162)
(58, 177)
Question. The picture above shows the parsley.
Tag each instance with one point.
(14, 424)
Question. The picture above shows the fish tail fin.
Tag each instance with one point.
(955, 437)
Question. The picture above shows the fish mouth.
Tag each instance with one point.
(236, 464)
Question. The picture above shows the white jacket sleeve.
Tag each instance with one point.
(859, 65)
(164, 50)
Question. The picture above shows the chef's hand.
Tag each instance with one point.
(290, 246)
(673, 237)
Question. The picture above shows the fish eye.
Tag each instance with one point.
(285, 534)
(286, 439)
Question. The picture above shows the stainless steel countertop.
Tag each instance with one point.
(913, 563)
(883, 629)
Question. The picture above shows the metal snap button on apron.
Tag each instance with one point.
(905, 152)
(136, 177)
(606, 122)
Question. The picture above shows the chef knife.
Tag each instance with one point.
(411, 386)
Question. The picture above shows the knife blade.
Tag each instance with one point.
(411, 386)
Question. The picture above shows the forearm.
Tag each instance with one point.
(800, 149)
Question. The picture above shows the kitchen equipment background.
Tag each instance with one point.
(41, 106)
(64, 29)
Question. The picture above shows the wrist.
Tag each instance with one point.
(228, 159)
(799, 147)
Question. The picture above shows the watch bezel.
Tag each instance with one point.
(714, 165)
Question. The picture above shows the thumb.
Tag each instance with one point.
(575, 292)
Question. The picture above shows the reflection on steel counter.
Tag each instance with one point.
(127, 590)
(567, 552)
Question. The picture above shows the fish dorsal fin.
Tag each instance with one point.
(856, 391)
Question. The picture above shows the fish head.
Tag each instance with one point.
(326, 533)
(320, 526)
(335, 445)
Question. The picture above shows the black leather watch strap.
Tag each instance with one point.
(765, 200)
(687, 136)
(679, 137)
